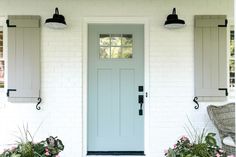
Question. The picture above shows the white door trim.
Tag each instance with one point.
(115, 20)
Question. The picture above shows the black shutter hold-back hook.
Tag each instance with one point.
(39, 102)
(197, 104)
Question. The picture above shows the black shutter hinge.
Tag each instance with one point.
(10, 90)
(225, 89)
(225, 25)
(8, 24)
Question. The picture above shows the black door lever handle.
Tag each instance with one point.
(140, 112)
(140, 101)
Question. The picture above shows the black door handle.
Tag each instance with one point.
(140, 101)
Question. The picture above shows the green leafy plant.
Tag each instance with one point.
(207, 147)
(50, 147)
(200, 144)
(26, 147)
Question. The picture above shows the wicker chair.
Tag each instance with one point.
(223, 118)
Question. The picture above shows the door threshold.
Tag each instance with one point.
(137, 153)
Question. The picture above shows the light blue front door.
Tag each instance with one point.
(115, 80)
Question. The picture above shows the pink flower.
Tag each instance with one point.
(175, 146)
(46, 150)
(47, 154)
(217, 155)
(165, 151)
(221, 150)
(184, 138)
(57, 156)
(230, 156)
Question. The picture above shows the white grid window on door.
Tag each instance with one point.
(115, 46)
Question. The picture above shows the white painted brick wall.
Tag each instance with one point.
(171, 70)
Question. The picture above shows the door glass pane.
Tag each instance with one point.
(105, 52)
(1, 45)
(116, 46)
(127, 52)
(1, 52)
(2, 66)
(1, 74)
(231, 43)
(115, 52)
(232, 73)
(104, 39)
(116, 40)
(127, 40)
(232, 61)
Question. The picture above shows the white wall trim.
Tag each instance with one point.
(115, 20)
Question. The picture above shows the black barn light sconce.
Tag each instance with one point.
(172, 21)
(57, 21)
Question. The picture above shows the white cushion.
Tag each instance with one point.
(229, 141)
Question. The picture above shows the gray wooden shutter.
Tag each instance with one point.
(23, 58)
(210, 57)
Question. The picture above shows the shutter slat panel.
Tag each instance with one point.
(25, 21)
(19, 60)
(214, 58)
(210, 92)
(24, 63)
(198, 61)
(223, 57)
(210, 57)
(206, 70)
(209, 20)
(11, 59)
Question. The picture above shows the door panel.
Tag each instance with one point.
(104, 99)
(127, 97)
(116, 69)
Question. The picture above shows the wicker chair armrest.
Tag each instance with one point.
(233, 136)
(227, 129)
(224, 134)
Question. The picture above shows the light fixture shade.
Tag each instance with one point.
(57, 22)
(173, 21)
